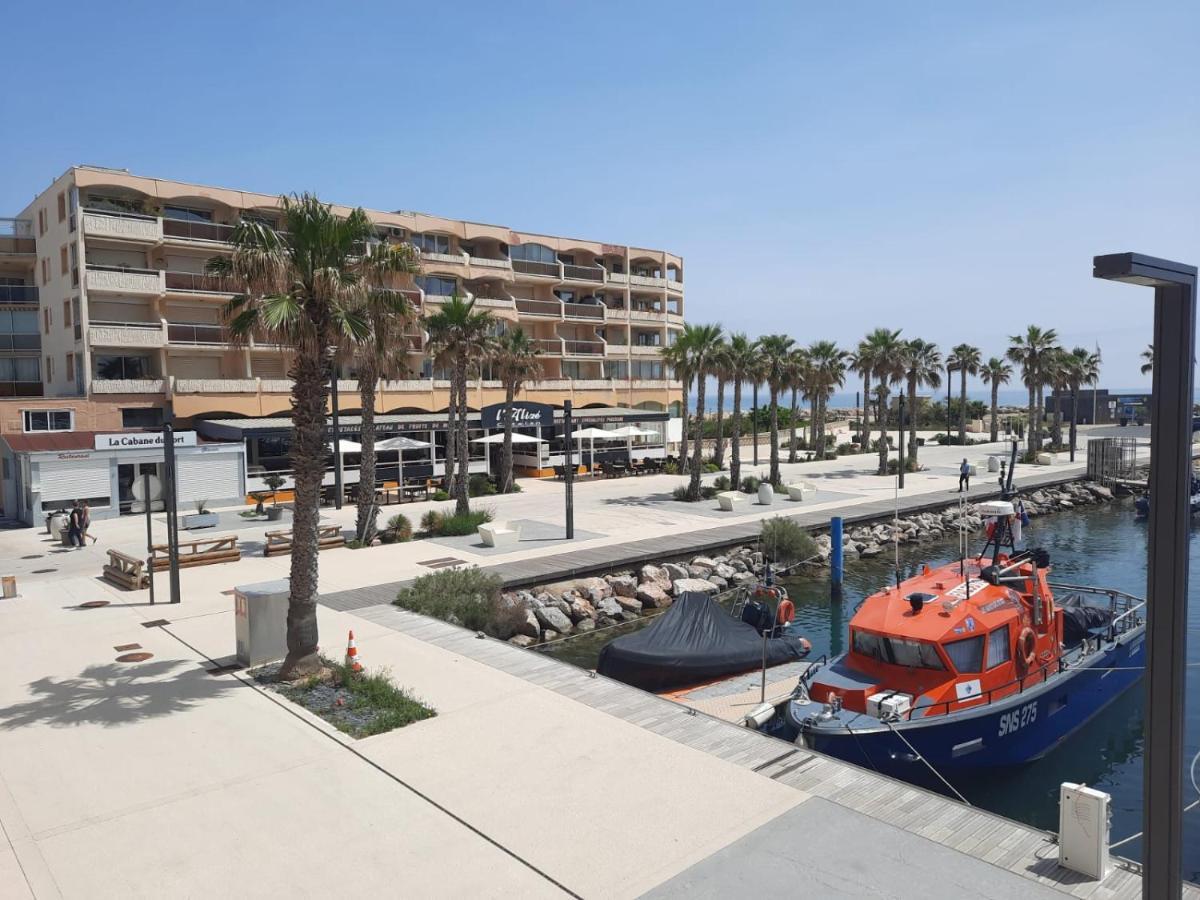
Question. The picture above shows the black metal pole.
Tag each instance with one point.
(171, 508)
(754, 424)
(149, 534)
(949, 378)
(337, 436)
(900, 429)
(858, 412)
(569, 470)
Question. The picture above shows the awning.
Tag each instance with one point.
(517, 438)
(595, 434)
(346, 446)
(633, 431)
(400, 443)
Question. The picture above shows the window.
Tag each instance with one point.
(147, 417)
(999, 650)
(573, 369)
(567, 259)
(187, 213)
(45, 270)
(436, 285)
(74, 252)
(41, 222)
(260, 219)
(117, 367)
(69, 372)
(62, 206)
(66, 314)
(616, 369)
(49, 419)
(49, 369)
(46, 319)
(567, 296)
(897, 651)
(20, 368)
(62, 259)
(533, 253)
(431, 243)
(19, 330)
(966, 655)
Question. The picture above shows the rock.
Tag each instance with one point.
(699, 571)
(629, 616)
(582, 609)
(554, 619)
(550, 635)
(871, 549)
(654, 575)
(630, 604)
(1100, 491)
(756, 560)
(738, 566)
(563, 604)
(743, 578)
(596, 595)
(674, 571)
(623, 585)
(683, 585)
(589, 586)
(653, 596)
(720, 582)
(606, 621)
(522, 640)
(706, 561)
(1066, 504)
(608, 607)
(584, 625)
(542, 599)
(724, 571)
(530, 627)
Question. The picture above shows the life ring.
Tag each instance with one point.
(785, 612)
(1027, 648)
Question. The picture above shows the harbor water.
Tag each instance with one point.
(1103, 546)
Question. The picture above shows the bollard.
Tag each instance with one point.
(835, 558)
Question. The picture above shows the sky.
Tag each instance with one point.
(945, 168)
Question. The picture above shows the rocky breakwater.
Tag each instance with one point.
(864, 541)
(585, 604)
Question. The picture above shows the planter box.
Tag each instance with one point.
(200, 520)
(274, 513)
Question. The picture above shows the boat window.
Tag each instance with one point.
(998, 647)
(897, 651)
(966, 655)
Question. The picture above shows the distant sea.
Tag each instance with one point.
(849, 399)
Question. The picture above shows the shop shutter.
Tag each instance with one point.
(75, 479)
(210, 476)
(268, 366)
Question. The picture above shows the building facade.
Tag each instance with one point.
(108, 321)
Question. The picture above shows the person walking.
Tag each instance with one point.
(75, 526)
(85, 523)
(964, 476)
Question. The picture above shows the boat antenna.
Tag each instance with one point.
(896, 525)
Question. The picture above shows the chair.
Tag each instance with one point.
(796, 490)
(499, 534)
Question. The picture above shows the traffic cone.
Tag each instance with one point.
(352, 661)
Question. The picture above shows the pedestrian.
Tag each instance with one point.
(85, 522)
(964, 476)
(75, 526)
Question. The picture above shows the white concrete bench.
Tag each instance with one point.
(728, 498)
(766, 494)
(796, 490)
(499, 534)
(1044, 459)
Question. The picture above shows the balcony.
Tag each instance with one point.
(618, 278)
(646, 349)
(485, 263)
(197, 333)
(583, 310)
(529, 267)
(583, 348)
(194, 283)
(124, 280)
(18, 341)
(458, 258)
(551, 309)
(20, 389)
(582, 273)
(128, 385)
(189, 230)
(549, 346)
(16, 236)
(648, 280)
(121, 226)
(125, 334)
(18, 294)
(646, 315)
(675, 285)
(216, 386)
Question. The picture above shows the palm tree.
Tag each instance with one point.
(995, 372)
(703, 347)
(514, 360)
(720, 370)
(675, 357)
(776, 351)
(862, 361)
(798, 378)
(381, 355)
(1028, 350)
(1083, 367)
(923, 367)
(828, 367)
(885, 350)
(461, 337)
(1148, 359)
(1056, 376)
(966, 359)
(741, 356)
(304, 287)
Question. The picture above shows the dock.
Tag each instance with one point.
(732, 698)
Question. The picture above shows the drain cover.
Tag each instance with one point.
(43, 571)
(93, 604)
(135, 657)
(121, 648)
(34, 556)
(155, 623)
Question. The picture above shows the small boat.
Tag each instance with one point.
(696, 642)
(968, 666)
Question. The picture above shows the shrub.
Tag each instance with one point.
(400, 528)
(749, 485)
(785, 542)
(779, 488)
(846, 449)
(670, 467)
(721, 483)
(707, 492)
(469, 597)
(431, 522)
(710, 467)
(680, 493)
(440, 496)
(467, 523)
(893, 466)
(479, 485)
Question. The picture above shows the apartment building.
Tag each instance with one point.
(108, 321)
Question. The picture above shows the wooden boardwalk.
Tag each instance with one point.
(630, 554)
(990, 839)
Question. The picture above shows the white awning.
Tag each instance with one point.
(400, 443)
(633, 431)
(347, 446)
(596, 434)
(517, 438)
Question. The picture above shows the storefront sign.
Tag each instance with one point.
(142, 440)
(524, 415)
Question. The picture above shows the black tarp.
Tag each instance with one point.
(1079, 619)
(692, 642)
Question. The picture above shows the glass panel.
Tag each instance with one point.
(966, 655)
(998, 647)
(28, 368)
(187, 213)
(60, 420)
(914, 654)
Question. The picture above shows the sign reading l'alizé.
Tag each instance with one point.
(524, 415)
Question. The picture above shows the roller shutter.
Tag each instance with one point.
(75, 479)
(213, 476)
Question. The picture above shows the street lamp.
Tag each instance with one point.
(1167, 567)
(949, 378)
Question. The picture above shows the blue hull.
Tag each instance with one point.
(1007, 732)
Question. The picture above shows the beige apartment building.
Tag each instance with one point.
(108, 321)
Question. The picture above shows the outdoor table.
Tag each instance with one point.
(411, 491)
(387, 494)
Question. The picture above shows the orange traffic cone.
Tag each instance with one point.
(352, 661)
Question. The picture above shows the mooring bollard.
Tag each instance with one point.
(835, 558)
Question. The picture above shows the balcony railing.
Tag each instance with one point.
(190, 230)
(128, 385)
(551, 308)
(583, 273)
(443, 257)
(18, 293)
(16, 236)
(10, 341)
(124, 280)
(196, 333)
(491, 263)
(120, 225)
(20, 389)
(125, 334)
(191, 282)
(648, 280)
(583, 310)
(549, 346)
(584, 348)
(529, 267)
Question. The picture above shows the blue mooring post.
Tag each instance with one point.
(835, 558)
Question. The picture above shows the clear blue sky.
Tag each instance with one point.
(949, 168)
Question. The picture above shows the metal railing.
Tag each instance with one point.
(530, 267)
(16, 228)
(118, 214)
(13, 341)
(540, 307)
(584, 310)
(196, 333)
(582, 273)
(197, 231)
(584, 348)
(131, 270)
(549, 347)
(18, 293)
(193, 282)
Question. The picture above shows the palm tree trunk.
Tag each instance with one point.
(462, 499)
(1074, 417)
(719, 448)
(451, 434)
(735, 446)
(1041, 415)
(1031, 434)
(912, 420)
(364, 523)
(792, 427)
(995, 410)
(310, 394)
(698, 447)
(506, 454)
(881, 412)
(683, 442)
(962, 409)
(822, 401)
(864, 430)
(775, 479)
(813, 437)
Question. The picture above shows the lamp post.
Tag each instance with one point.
(949, 378)
(900, 438)
(754, 424)
(337, 435)
(171, 508)
(1167, 564)
(569, 471)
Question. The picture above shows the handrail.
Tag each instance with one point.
(134, 270)
(18, 293)
(115, 323)
(116, 214)
(1018, 683)
(195, 281)
(197, 230)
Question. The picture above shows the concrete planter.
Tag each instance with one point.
(766, 494)
(200, 520)
(274, 513)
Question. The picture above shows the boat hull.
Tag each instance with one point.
(1004, 733)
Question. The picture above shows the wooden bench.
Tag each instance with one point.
(126, 571)
(281, 541)
(204, 552)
